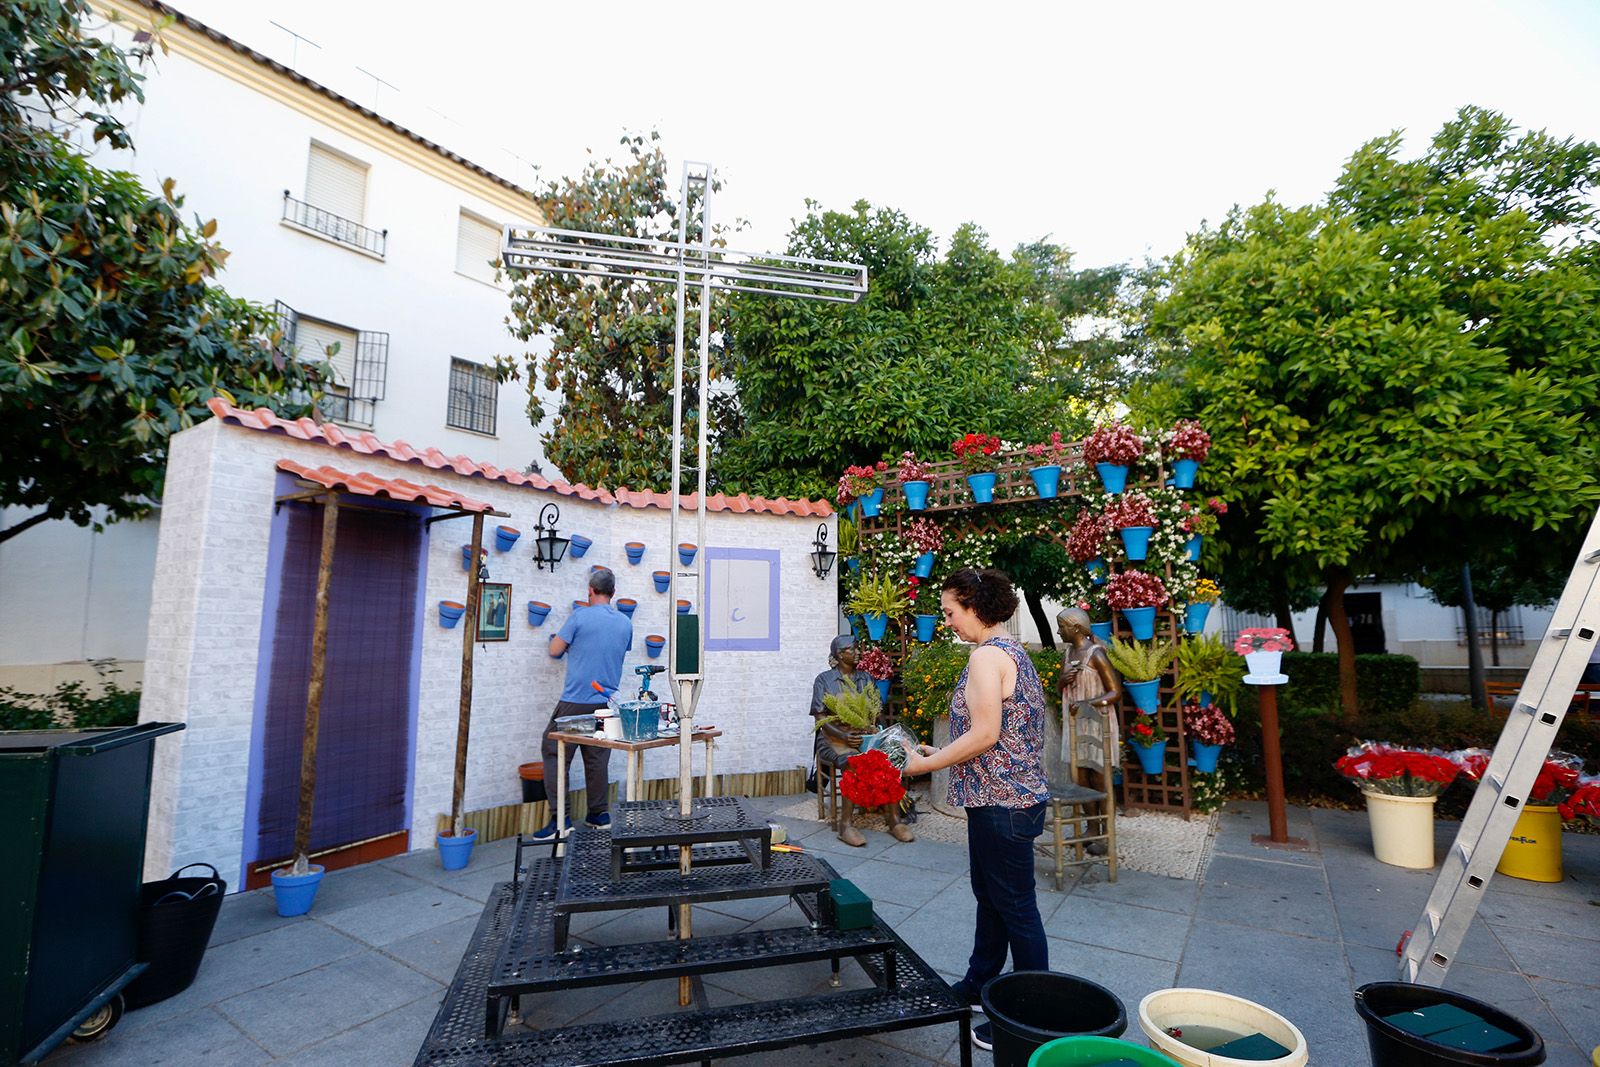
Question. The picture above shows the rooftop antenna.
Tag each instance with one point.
(294, 49)
(376, 82)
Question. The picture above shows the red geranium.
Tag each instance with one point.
(1584, 801)
(975, 452)
(871, 780)
(1132, 508)
(1087, 537)
(1188, 441)
(1135, 589)
(1112, 443)
(1395, 771)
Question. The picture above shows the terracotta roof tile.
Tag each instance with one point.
(393, 488)
(369, 444)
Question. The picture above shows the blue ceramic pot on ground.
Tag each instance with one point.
(1145, 695)
(295, 893)
(1193, 545)
(1046, 481)
(456, 851)
(925, 626)
(1102, 630)
(924, 567)
(1114, 476)
(1151, 757)
(580, 545)
(1136, 540)
(982, 486)
(1183, 473)
(883, 689)
(876, 626)
(1194, 618)
(916, 494)
(1205, 757)
(870, 504)
(1142, 621)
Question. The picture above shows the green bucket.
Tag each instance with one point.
(1089, 1051)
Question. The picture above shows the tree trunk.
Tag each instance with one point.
(314, 687)
(1469, 607)
(1047, 636)
(1321, 629)
(469, 634)
(1280, 608)
(26, 524)
(1338, 582)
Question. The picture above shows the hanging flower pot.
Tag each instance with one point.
(1206, 698)
(683, 607)
(1266, 663)
(450, 612)
(924, 567)
(871, 503)
(1205, 757)
(1142, 621)
(1136, 540)
(916, 494)
(576, 604)
(876, 625)
(1194, 618)
(883, 689)
(925, 627)
(635, 551)
(1102, 630)
(295, 893)
(1114, 476)
(455, 850)
(1183, 473)
(1097, 571)
(627, 605)
(505, 537)
(538, 611)
(854, 564)
(663, 580)
(1046, 481)
(1152, 758)
(1145, 695)
(982, 486)
(580, 545)
(653, 644)
(686, 553)
(1193, 545)
(466, 557)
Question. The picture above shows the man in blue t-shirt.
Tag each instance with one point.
(594, 641)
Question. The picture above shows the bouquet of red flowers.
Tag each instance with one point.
(1555, 783)
(912, 469)
(1584, 802)
(871, 780)
(1112, 443)
(1188, 441)
(859, 481)
(877, 664)
(1395, 771)
(976, 452)
(1209, 726)
(1132, 508)
(1087, 537)
(925, 535)
(1135, 589)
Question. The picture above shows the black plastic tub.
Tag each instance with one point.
(1026, 1009)
(1394, 1047)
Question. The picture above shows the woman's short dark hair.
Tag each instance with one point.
(988, 593)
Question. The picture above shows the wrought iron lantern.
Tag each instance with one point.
(547, 547)
(821, 558)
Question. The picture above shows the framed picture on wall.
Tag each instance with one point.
(494, 612)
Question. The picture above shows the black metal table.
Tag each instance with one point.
(656, 825)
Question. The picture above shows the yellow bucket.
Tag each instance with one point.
(1534, 851)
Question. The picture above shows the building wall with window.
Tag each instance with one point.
(404, 287)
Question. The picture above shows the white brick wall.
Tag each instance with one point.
(206, 624)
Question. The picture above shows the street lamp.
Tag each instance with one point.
(547, 547)
(821, 558)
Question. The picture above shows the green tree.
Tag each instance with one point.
(611, 339)
(940, 346)
(1416, 357)
(111, 340)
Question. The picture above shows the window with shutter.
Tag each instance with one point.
(314, 337)
(477, 245)
(337, 184)
(473, 392)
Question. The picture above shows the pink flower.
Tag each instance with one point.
(1188, 441)
(1112, 443)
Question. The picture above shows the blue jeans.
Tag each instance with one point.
(1000, 850)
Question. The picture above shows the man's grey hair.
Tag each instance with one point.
(603, 582)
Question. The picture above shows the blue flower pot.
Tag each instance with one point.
(1145, 695)
(924, 567)
(683, 607)
(1142, 621)
(466, 557)
(1194, 618)
(916, 494)
(505, 537)
(876, 625)
(627, 606)
(854, 564)
(1205, 757)
(294, 893)
(1102, 630)
(1046, 481)
(1114, 476)
(1183, 473)
(925, 627)
(1152, 758)
(1136, 540)
(883, 689)
(1206, 698)
(1097, 571)
(450, 613)
(853, 510)
(653, 645)
(686, 553)
(580, 545)
(538, 611)
(663, 580)
(1193, 545)
(456, 851)
(870, 504)
(982, 486)
(635, 551)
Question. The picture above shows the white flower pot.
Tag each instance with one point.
(1261, 663)
(1402, 829)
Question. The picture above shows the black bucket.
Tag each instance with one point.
(1028, 1008)
(1393, 1047)
(176, 916)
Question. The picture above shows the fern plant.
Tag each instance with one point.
(1140, 661)
(880, 596)
(849, 542)
(1206, 664)
(855, 708)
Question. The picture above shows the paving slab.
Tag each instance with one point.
(403, 914)
(1127, 928)
(199, 1038)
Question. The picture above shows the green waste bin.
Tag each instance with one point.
(75, 806)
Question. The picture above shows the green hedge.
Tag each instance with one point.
(69, 707)
(1383, 683)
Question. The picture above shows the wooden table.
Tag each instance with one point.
(633, 783)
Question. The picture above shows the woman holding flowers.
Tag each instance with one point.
(997, 774)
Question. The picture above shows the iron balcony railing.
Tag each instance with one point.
(343, 230)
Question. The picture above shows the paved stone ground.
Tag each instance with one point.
(358, 980)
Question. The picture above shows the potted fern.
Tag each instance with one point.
(1141, 665)
(878, 600)
(853, 710)
(1209, 671)
(849, 544)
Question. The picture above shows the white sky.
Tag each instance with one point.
(1114, 127)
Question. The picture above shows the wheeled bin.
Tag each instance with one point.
(75, 805)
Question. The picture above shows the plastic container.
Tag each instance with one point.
(176, 917)
(1402, 829)
(1028, 1009)
(1534, 851)
(1090, 1051)
(1393, 1046)
(295, 893)
(640, 719)
(1212, 1010)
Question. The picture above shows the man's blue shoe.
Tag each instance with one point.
(601, 821)
(548, 831)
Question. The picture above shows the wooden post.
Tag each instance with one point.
(1272, 756)
(319, 663)
(468, 636)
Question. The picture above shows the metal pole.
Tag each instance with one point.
(468, 636)
(1272, 756)
(319, 664)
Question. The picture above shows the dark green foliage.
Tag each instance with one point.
(1384, 684)
(69, 707)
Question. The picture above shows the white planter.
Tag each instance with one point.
(1181, 1008)
(1402, 829)
(1264, 663)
